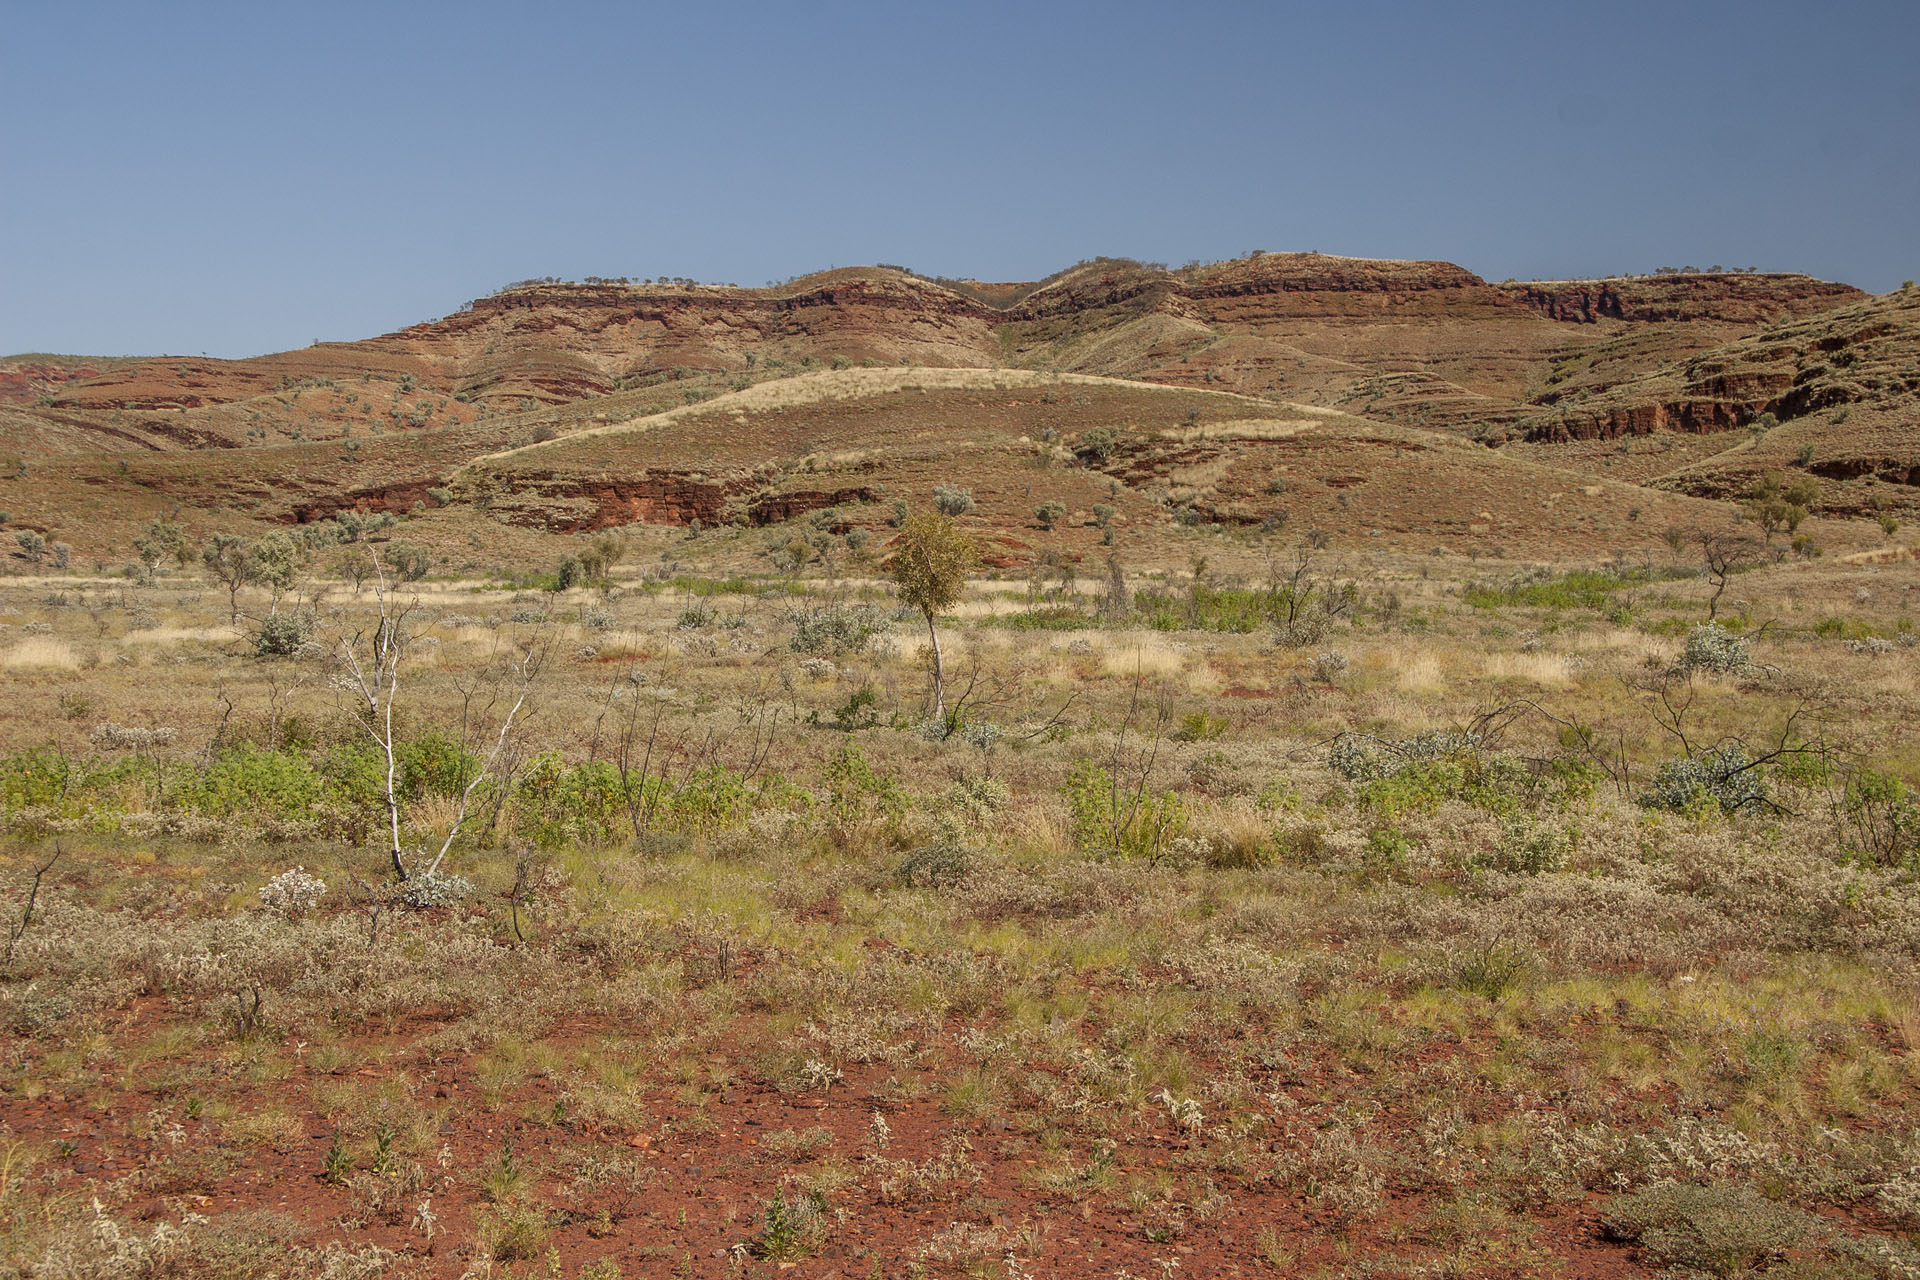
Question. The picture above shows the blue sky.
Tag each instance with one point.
(237, 179)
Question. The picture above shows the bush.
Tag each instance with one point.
(292, 893)
(435, 889)
(1720, 1229)
(835, 630)
(408, 562)
(282, 634)
(795, 1223)
(1095, 446)
(249, 779)
(952, 500)
(1724, 778)
(1711, 647)
(1111, 819)
(935, 865)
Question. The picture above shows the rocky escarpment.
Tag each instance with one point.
(1730, 297)
(26, 379)
(564, 502)
(1423, 343)
(1857, 358)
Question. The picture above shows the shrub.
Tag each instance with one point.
(1529, 848)
(1120, 822)
(1049, 513)
(1095, 446)
(952, 500)
(249, 779)
(793, 1226)
(408, 562)
(282, 634)
(1711, 647)
(435, 889)
(835, 630)
(935, 865)
(1723, 778)
(292, 893)
(1582, 589)
(1883, 814)
(1721, 1229)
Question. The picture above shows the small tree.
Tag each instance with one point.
(32, 545)
(931, 561)
(1095, 446)
(1049, 513)
(227, 563)
(162, 541)
(1103, 514)
(1723, 555)
(371, 684)
(274, 561)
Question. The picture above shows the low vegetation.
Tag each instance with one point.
(1271, 912)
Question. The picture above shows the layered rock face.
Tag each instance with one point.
(1420, 343)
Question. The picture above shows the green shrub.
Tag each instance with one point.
(250, 780)
(1119, 821)
(558, 804)
(794, 1224)
(836, 630)
(1723, 778)
(282, 634)
(1721, 1229)
(1883, 816)
(858, 792)
(1200, 726)
(1581, 589)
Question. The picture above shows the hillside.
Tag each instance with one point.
(1843, 387)
(704, 403)
(855, 440)
(1410, 341)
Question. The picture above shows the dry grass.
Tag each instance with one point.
(1535, 668)
(40, 653)
(850, 384)
(1327, 971)
(181, 635)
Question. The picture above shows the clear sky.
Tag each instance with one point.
(236, 179)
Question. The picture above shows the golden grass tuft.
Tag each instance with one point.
(41, 653)
(1535, 668)
(180, 635)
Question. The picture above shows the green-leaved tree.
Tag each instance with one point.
(931, 561)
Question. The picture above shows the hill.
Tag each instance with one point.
(707, 403)
(1835, 396)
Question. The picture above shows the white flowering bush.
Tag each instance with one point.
(110, 736)
(1724, 777)
(293, 893)
(1361, 757)
(1330, 666)
(1711, 647)
(435, 889)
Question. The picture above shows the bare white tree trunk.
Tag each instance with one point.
(939, 672)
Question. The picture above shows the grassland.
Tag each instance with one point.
(1282, 909)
